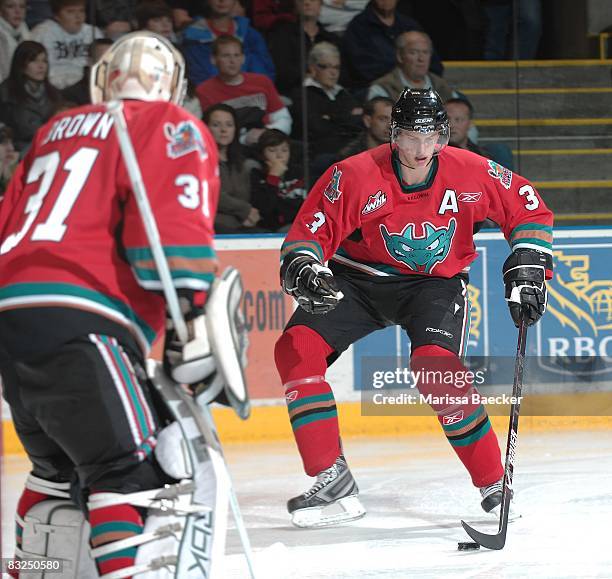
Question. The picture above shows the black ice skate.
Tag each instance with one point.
(492, 497)
(331, 500)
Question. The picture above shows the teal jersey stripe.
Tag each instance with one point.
(153, 274)
(533, 241)
(18, 290)
(310, 400)
(298, 246)
(450, 428)
(116, 526)
(124, 553)
(131, 387)
(186, 251)
(531, 226)
(473, 437)
(323, 415)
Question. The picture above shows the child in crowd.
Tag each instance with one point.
(67, 39)
(13, 30)
(277, 189)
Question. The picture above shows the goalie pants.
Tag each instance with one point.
(434, 312)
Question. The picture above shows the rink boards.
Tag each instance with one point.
(568, 378)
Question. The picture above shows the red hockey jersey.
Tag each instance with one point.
(360, 214)
(71, 235)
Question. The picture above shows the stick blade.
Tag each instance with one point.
(494, 542)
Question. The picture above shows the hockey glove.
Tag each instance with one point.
(189, 363)
(526, 295)
(310, 283)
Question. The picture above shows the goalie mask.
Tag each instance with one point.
(419, 112)
(142, 66)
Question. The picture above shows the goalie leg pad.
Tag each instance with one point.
(229, 341)
(55, 531)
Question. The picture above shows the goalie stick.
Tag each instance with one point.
(498, 540)
(115, 109)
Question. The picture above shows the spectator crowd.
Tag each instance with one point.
(287, 87)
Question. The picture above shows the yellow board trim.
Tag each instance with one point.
(574, 216)
(572, 184)
(527, 152)
(271, 423)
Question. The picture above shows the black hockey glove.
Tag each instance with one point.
(524, 273)
(310, 283)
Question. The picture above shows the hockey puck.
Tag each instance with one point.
(468, 546)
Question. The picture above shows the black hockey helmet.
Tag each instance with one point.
(420, 110)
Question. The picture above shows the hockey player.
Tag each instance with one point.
(397, 224)
(81, 300)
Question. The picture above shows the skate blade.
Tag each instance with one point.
(513, 515)
(342, 511)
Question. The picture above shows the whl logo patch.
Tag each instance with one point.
(452, 418)
(184, 138)
(422, 253)
(374, 202)
(498, 172)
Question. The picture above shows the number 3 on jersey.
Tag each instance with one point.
(44, 169)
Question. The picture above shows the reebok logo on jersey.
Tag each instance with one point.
(423, 253)
(498, 172)
(332, 191)
(452, 418)
(291, 396)
(439, 331)
(184, 138)
(470, 197)
(374, 202)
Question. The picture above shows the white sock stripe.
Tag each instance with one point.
(53, 489)
(308, 380)
(120, 388)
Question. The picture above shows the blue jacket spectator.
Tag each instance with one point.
(369, 42)
(198, 37)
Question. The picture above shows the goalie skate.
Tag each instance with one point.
(330, 501)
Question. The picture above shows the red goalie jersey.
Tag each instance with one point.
(71, 236)
(361, 215)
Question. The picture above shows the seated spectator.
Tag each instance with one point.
(78, 92)
(156, 16)
(8, 157)
(285, 43)
(266, 14)
(413, 53)
(235, 213)
(369, 41)
(115, 17)
(337, 14)
(333, 115)
(197, 39)
(277, 189)
(27, 99)
(184, 11)
(460, 113)
(66, 39)
(377, 122)
(253, 96)
(13, 30)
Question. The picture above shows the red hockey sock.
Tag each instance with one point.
(466, 425)
(109, 524)
(301, 358)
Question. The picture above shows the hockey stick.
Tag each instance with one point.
(498, 540)
(115, 109)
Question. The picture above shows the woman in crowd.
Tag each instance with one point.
(235, 213)
(27, 99)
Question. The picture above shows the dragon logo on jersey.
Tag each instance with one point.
(332, 191)
(423, 253)
(498, 172)
(184, 138)
(374, 202)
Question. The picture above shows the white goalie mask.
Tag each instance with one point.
(142, 66)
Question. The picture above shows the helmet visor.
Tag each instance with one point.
(427, 140)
